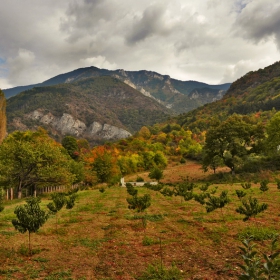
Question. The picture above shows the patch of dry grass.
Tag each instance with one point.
(100, 239)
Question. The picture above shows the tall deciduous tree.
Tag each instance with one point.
(103, 166)
(232, 140)
(33, 159)
(273, 132)
(71, 145)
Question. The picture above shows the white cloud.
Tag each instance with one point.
(99, 61)
(20, 65)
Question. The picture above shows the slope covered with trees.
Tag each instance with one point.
(3, 119)
(104, 99)
(255, 94)
(179, 96)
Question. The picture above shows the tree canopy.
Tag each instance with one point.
(231, 141)
(33, 159)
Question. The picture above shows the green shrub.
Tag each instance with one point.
(139, 179)
(182, 160)
(257, 233)
(147, 241)
(264, 186)
(156, 188)
(246, 186)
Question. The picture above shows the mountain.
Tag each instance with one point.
(256, 92)
(96, 108)
(179, 96)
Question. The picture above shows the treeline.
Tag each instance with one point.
(33, 161)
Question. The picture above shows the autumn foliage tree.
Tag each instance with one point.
(104, 162)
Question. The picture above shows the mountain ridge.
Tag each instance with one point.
(102, 102)
(172, 93)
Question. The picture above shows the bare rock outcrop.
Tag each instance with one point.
(68, 125)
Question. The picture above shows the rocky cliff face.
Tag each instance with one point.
(206, 94)
(68, 125)
(97, 108)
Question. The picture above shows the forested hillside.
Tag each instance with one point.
(88, 103)
(2, 116)
(179, 96)
(255, 94)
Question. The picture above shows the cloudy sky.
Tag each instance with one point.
(212, 41)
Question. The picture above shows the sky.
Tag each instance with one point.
(211, 41)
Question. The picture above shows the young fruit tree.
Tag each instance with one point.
(156, 173)
(140, 204)
(251, 208)
(254, 266)
(264, 186)
(131, 190)
(215, 202)
(240, 193)
(184, 190)
(58, 201)
(167, 192)
(29, 217)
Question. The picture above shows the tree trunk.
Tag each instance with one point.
(12, 193)
(29, 245)
(19, 190)
(232, 170)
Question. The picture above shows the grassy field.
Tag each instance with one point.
(100, 238)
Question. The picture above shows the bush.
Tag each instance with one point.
(139, 179)
(147, 241)
(182, 160)
(157, 187)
